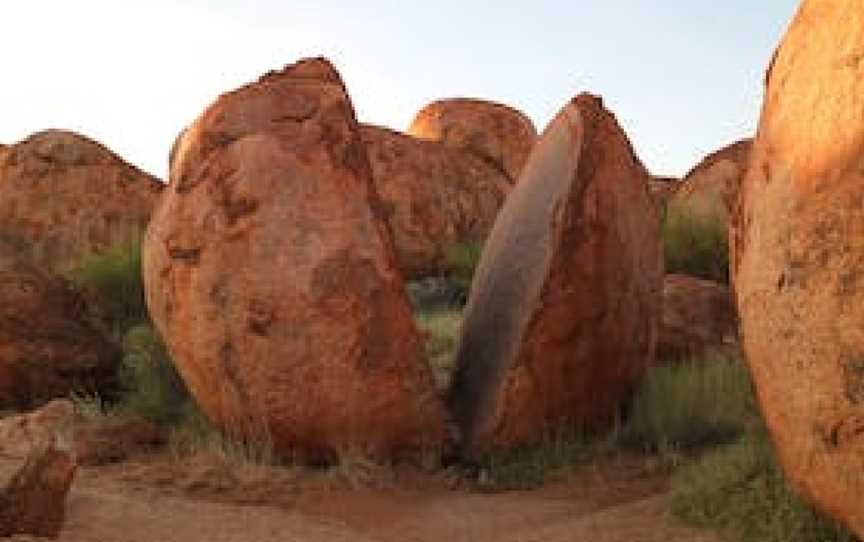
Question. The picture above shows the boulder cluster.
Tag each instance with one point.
(276, 255)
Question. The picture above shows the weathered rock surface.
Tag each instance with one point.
(50, 342)
(68, 197)
(33, 500)
(799, 238)
(563, 313)
(710, 189)
(436, 197)
(698, 322)
(662, 189)
(497, 133)
(274, 282)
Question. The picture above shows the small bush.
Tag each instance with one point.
(740, 491)
(441, 331)
(695, 244)
(461, 260)
(153, 389)
(690, 405)
(115, 275)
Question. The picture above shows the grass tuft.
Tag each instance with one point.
(740, 491)
(691, 405)
(115, 275)
(694, 244)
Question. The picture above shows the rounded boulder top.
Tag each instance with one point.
(495, 132)
(69, 197)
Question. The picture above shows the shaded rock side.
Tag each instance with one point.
(563, 313)
(699, 320)
(33, 498)
(69, 197)
(435, 197)
(272, 277)
(799, 244)
(51, 342)
(497, 133)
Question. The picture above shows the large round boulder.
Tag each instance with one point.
(51, 342)
(272, 277)
(562, 318)
(70, 197)
(709, 191)
(497, 133)
(699, 320)
(436, 197)
(799, 238)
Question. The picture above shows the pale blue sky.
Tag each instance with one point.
(683, 78)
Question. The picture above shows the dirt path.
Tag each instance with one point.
(159, 500)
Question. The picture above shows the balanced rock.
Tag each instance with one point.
(562, 318)
(51, 342)
(69, 197)
(709, 191)
(698, 322)
(497, 133)
(273, 280)
(800, 255)
(436, 197)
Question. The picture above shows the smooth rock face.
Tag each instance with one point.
(50, 342)
(33, 499)
(800, 256)
(563, 313)
(69, 197)
(497, 133)
(710, 189)
(274, 282)
(436, 197)
(699, 320)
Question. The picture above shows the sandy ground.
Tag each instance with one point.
(156, 499)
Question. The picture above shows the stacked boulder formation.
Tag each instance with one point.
(436, 197)
(563, 313)
(500, 135)
(799, 251)
(271, 274)
(67, 197)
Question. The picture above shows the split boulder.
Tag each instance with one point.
(562, 318)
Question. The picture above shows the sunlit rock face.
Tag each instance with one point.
(799, 257)
(270, 272)
(68, 197)
(562, 318)
(494, 132)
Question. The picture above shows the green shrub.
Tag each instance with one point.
(152, 388)
(441, 331)
(740, 491)
(689, 405)
(695, 244)
(461, 260)
(115, 275)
